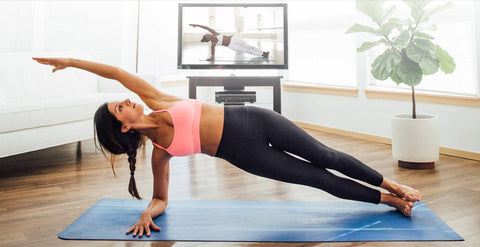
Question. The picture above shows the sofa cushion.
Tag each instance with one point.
(33, 114)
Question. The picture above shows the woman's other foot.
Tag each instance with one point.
(402, 191)
(409, 193)
(405, 207)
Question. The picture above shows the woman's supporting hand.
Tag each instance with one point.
(57, 63)
(143, 225)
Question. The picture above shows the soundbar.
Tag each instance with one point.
(235, 97)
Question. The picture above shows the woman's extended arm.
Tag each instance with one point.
(149, 94)
(161, 176)
(212, 52)
(206, 28)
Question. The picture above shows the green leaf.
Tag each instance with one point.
(372, 8)
(422, 51)
(395, 77)
(399, 24)
(416, 3)
(417, 53)
(447, 64)
(402, 40)
(422, 35)
(430, 65)
(368, 45)
(396, 21)
(417, 9)
(426, 45)
(386, 28)
(358, 28)
(379, 70)
(394, 59)
(384, 64)
(408, 71)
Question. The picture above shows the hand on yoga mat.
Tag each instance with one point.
(143, 225)
(58, 63)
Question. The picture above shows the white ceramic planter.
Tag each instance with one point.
(415, 140)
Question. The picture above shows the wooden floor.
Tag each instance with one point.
(42, 192)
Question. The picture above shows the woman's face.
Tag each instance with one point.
(126, 112)
(209, 37)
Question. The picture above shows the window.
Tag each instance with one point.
(16, 35)
(319, 50)
(455, 34)
(103, 29)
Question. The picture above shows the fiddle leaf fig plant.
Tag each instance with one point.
(410, 53)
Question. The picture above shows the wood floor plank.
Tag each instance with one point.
(42, 192)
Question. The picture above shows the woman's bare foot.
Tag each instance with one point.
(400, 204)
(402, 191)
(409, 193)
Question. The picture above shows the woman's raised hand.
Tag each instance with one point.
(58, 63)
(143, 225)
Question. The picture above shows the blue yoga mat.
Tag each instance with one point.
(262, 221)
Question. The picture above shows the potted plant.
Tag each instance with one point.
(409, 55)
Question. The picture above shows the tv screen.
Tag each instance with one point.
(232, 36)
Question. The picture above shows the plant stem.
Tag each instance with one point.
(414, 111)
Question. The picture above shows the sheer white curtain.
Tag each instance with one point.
(104, 29)
(456, 33)
(319, 51)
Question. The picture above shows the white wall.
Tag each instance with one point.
(459, 126)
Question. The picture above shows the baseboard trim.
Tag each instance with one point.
(174, 83)
(320, 89)
(344, 132)
(445, 99)
(443, 150)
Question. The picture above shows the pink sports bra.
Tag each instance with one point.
(220, 40)
(186, 123)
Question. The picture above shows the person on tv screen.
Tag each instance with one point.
(234, 43)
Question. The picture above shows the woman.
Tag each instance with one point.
(231, 42)
(181, 127)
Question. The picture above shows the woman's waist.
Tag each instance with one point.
(226, 39)
(234, 130)
(211, 128)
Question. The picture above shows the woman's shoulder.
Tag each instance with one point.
(161, 103)
(172, 102)
(159, 155)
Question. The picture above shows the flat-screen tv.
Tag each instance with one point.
(232, 36)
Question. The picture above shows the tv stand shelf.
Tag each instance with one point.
(237, 83)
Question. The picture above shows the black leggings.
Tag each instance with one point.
(257, 140)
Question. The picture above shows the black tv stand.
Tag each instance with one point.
(237, 83)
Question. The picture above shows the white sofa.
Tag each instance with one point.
(41, 109)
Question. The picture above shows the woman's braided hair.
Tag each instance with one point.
(108, 132)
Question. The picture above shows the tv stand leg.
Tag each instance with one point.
(192, 89)
(277, 103)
